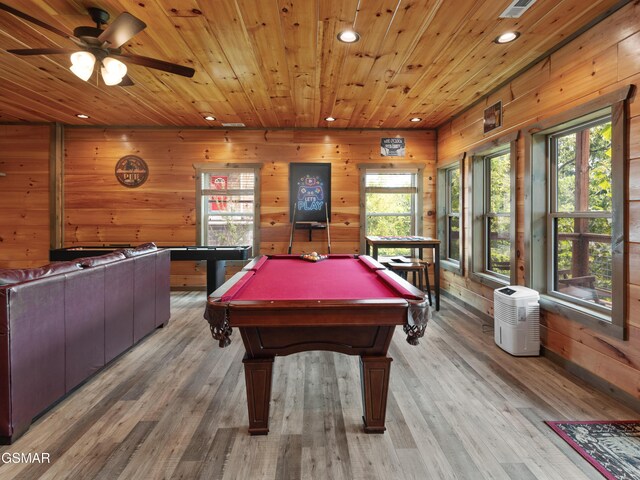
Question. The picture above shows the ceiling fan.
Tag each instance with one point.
(95, 44)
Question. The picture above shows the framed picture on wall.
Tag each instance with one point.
(309, 192)
(493, 117)
(392, 147)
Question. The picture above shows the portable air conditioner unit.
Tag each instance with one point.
(517, 320)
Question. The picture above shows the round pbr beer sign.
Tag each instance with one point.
(132, 171)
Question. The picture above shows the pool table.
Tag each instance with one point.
(283, 304)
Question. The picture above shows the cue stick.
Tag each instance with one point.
(326, 216)
(293, 222)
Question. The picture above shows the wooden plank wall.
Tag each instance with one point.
(98, 210)
(24, 221)
(601, 60)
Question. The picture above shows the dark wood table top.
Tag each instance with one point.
(401, 240)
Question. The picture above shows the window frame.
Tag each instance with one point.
(480, 193)
(537, 208)
(417, 219)
(201, 194)
(553, 214)
(444, 203)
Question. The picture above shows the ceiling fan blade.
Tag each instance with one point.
(41, 51)
(126, 81)
(121, 30)
(155, 63)
(35, 21)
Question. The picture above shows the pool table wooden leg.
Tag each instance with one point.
(374, 375)
(257, 375)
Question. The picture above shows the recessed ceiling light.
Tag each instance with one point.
(415, 119)
(348, 36)
(82, 115)
(209, 118)
(507, 37)
(330, 119)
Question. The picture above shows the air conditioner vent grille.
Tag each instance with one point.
(517, 8)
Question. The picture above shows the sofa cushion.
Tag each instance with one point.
(140, 249)
(10, 276)
(88, 262)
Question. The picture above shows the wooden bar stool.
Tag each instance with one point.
(409, 266)
(418, 267)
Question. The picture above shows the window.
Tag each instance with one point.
(228, 211)
(493, 228)
(453, 214)
(393, 204)
(580, 213)
(577, 211)
(450, 218)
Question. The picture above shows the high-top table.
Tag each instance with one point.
(419, 243)
(215, 256)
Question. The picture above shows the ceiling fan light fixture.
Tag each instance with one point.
(98, 43)
(114, 66)
(113, 71)
(82, 64)
(109, 78)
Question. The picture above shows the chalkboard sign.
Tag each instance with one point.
(310, 192)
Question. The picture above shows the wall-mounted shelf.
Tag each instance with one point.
(311, 226)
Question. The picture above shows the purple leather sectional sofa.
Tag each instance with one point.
(61, 323)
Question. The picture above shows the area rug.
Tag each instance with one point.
(612, 447)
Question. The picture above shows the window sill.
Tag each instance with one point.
(454, 267)
(489, 280)
(594, 320)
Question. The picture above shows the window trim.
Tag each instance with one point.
(536, 232)
(413, 168)
(446, 263)
(479, 198)
(206, 168)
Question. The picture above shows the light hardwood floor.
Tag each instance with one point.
(174, 407)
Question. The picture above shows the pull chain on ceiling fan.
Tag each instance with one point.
(95, 44)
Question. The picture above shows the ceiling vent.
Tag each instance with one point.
(233, 125)
(517, 8)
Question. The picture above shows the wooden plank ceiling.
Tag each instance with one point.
(277, 63)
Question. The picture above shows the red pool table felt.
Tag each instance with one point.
(339, 277)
